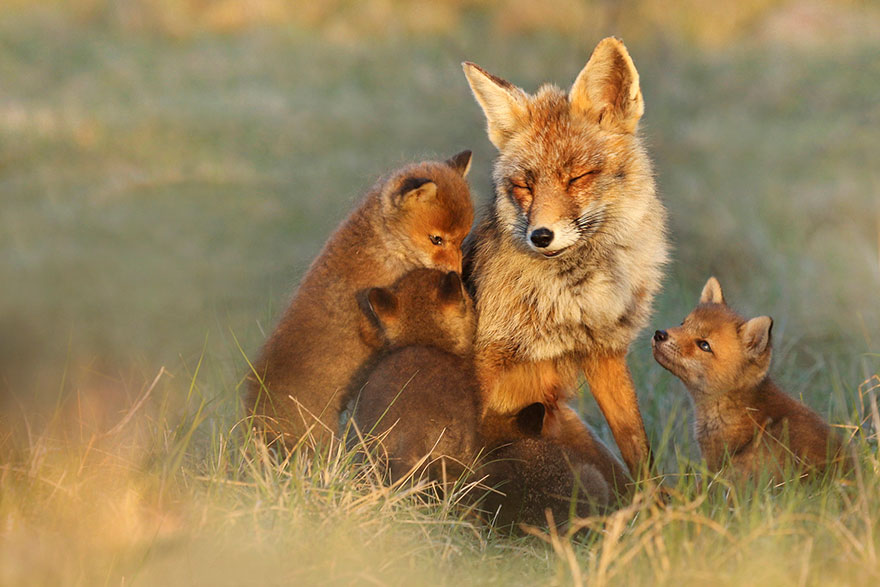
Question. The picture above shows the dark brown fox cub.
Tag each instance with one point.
(416, 217)
(419, 398)
(741, 414)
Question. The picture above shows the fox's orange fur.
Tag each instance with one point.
(566, 262)
(741, 415)
(418, 396)
(416, 217)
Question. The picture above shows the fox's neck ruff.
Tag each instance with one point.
(593, 297)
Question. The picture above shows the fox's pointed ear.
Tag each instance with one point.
(530, 419)
(415, 189)
(755, 335)
(451, 289)
(712, 293)
(461, 162)
(382, 304)
(607, 88)
(503, 103)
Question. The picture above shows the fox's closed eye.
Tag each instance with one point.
(704, 346)
(582, 176)
(435, 239)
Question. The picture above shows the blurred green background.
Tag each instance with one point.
(168, 169)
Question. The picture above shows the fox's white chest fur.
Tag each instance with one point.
(595, 298)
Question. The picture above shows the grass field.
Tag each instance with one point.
(161, 195)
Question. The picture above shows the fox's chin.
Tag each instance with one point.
(551, 254)
(662, 359)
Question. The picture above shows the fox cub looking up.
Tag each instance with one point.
(416, 217)
(420, 398)
(741, 414)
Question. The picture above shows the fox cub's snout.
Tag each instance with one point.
(714, 349)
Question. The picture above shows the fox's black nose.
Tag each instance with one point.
(541, 237)
(660, 335)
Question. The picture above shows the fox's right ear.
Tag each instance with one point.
(712, 293)
(461, 162)
(530, 419)
(503, 103)
(382, 304)
(607, 88)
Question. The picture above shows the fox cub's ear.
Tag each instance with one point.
(378, 310)
(755, 335)
(461, 162)
(451, 289)
(382, 304)
(607, 89)
(415, 189)
(503, 103)
(530, 419)
(712, 293)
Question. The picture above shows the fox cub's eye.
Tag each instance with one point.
(704, 346)
(437, 240)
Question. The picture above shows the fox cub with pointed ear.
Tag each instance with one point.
(419, 398)
(565, 263)
(416, 217)
(741, 415)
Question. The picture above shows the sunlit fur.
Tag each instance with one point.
(572, 162)
(741, 415)
(299, 379)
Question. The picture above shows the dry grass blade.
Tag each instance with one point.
(137, 406)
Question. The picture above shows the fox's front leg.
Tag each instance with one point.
(612, 386)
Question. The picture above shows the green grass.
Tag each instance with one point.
(161, 197)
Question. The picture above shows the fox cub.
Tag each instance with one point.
(416, 217)
(565, 262)
(419, 398)
(741, 415)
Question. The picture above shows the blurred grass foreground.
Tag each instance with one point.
(168, 168)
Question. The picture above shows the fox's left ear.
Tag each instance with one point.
(382, 305)
(712, 293)
(414, 189)
(755, 335)
(607, 89)
(378, 308)
(461, 162)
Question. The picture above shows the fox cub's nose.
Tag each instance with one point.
(541, 237)
(660, 335)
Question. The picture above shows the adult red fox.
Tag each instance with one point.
(565, 263)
